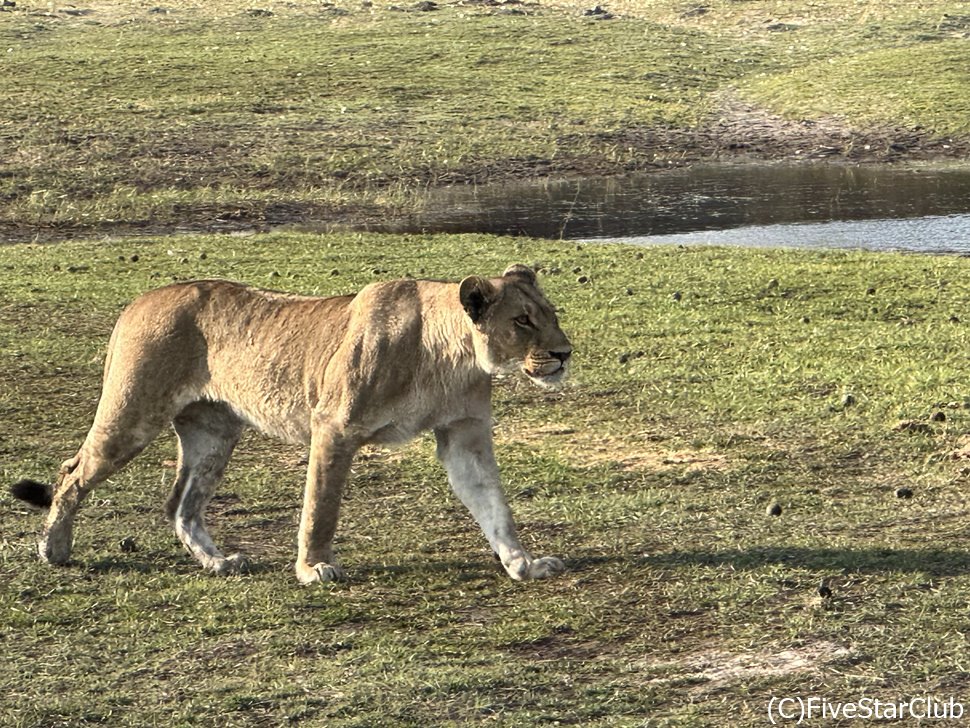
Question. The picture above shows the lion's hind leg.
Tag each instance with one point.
(207, 433)
(106, 450)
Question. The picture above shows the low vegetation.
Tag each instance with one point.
(757, 478)
(141, 116)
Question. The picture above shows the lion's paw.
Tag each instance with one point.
(319, 573)
(233, 564)
(54, 550)
(545, 567)
(525, 568)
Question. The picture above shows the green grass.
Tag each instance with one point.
(650, 474)
(203, 117)
(920, 86)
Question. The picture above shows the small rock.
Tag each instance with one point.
(677, 295)
(128, 544)
(773, 509)
(824, 591)
(583, 279)
(134, 258)
(806, 320)
(938, 417)
(905, 493)
(623, 358)
(274, 274)
(577, 269)
(629, 291)
(203, 255)
(870, 291)
(848, 399)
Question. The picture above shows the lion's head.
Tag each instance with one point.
(516, 325)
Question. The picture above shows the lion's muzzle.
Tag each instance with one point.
(548, 368)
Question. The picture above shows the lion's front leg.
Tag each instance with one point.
(465, 449)
(330, 459)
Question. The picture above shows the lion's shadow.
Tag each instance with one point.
(935, 562)
(931, 562)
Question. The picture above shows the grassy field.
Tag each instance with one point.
(710, 384)
(145, 116)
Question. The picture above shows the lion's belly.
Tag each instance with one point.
(275, 412)
(412, 415)
(398, 433)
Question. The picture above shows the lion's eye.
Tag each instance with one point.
(524, 321)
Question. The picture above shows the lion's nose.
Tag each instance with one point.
(562, 355)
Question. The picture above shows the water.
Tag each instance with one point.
(923, 209)
(929, 234)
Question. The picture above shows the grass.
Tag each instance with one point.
(684, 604)
(710, 384)
(913, 87)
(137, 116)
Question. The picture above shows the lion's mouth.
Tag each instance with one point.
(547, 375)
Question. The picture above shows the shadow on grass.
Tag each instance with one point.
(153, 563)
(936, 562)
(939, 562)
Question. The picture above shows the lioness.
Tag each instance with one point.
(398, 358)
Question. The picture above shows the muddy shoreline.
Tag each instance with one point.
(737, 133)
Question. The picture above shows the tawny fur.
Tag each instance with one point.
(401, 357)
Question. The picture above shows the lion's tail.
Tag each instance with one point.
(33, 493)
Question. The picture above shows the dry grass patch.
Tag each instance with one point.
(633, 452)
(716, 669)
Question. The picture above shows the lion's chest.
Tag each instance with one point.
(403, 418)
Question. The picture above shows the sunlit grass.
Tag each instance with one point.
(923, 86)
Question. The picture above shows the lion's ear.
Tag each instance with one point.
(517, 270)
(476, 295)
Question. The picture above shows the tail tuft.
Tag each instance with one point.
(33, 493)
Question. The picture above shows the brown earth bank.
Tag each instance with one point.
(738, 132)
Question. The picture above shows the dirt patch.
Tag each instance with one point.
(741, 131)
(634, 452)
(717, 669)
